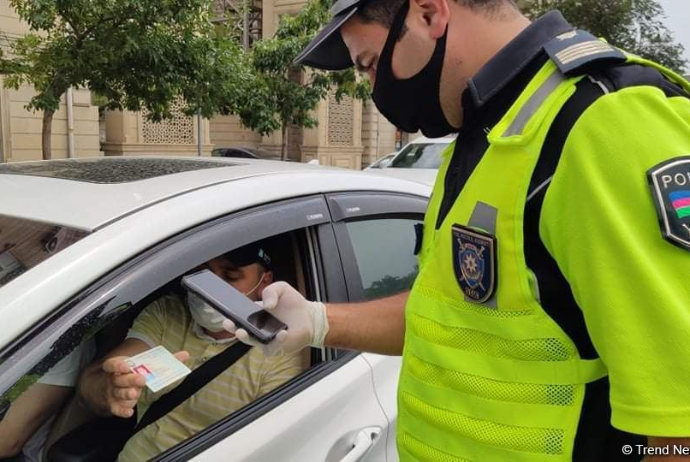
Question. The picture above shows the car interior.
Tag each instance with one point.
(25, 243)
(291, 262)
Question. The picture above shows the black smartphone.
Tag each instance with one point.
(234, 305)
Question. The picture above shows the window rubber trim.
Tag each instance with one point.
(361, 204)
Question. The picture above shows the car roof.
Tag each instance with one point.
(425, 176)
(68, 199)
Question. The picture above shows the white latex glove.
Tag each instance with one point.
(306, 321)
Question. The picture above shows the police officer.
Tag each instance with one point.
(550, 320)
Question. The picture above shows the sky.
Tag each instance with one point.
(678, 21)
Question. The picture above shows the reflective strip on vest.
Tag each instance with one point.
(533, 104)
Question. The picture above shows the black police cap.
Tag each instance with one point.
(328, 51)
(249, 254)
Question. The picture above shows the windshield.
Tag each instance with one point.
(420, 156)
(382, 162)
(26, 243)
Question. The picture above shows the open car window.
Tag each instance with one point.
(165, 319)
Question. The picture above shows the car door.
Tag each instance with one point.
(319, 415)
(376, 235)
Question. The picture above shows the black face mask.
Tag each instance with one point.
(411, 104)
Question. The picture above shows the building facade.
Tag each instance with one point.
(133, 134)
(20, 129)
(350, 133)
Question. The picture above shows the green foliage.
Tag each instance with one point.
(633, 25)
(389, 285)
(285, 93)
(133, 53)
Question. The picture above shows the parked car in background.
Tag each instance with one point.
(245, 153)
(382, 162)
(417, 161)
(86, 244)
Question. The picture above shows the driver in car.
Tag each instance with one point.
(188, 326)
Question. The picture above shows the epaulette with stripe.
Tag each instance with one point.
(577, 52)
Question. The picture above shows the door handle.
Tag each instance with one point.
(363, 441)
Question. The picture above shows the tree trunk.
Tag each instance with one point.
(47, 134)
(283, 147)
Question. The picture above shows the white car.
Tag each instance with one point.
(382, 162)
(84, 244)
(417, 161)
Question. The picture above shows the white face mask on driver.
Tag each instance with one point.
(205, 315)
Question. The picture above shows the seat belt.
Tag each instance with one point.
(104, 439)
(191, 384)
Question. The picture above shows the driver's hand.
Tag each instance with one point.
(124, 387)
(306, 321)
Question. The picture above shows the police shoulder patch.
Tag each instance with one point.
(474, 261)
(670, 183)
(577, 51)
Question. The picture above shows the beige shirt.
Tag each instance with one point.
(167, 322)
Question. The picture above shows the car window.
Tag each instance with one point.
(384, 250)
(26, 243)
(420, 156)
(178, 320)
(35, 400)
(164, 317)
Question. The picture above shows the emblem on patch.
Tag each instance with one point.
(670, 183)
(474, 261)
(567, 35)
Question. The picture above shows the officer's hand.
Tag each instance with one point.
(306, 321)
(124, 387)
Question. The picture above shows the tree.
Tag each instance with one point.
(285, 94)
(134, 53)
(388, 285)
(633, 25)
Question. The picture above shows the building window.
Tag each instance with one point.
(340, 116)
(178, 130)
